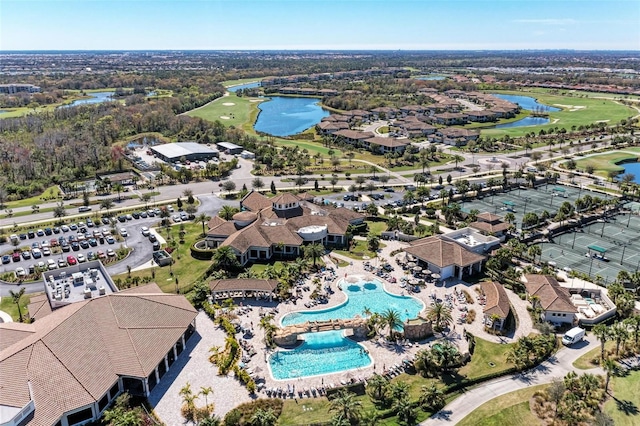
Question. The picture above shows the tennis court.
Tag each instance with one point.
(525, 200)
(618, 237)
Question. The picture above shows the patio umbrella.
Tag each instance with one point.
(435, 276)
(426, 271)
(411, 264)
(413, 282)
(417, 269)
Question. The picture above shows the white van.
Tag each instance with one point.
(576, 334)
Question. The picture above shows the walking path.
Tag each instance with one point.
(555, 367)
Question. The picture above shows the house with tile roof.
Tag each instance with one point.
(554, 300)
(278, 227)
(497, 308)
(67, 367)
(490, 224)
(446, 258)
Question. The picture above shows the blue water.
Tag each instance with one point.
(527, 121)
(433, 77)
(360, 295)
(244, 86)
(526, 102)
(283, 116)
(96, 98)
(321, 353)
(633, 168)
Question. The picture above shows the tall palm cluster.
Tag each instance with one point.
(440, 358)
(529, 351)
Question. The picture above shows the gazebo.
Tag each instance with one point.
(229, 288)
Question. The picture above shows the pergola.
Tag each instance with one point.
(229, 288)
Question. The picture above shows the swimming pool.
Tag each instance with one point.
(321, 353)
(360, 295)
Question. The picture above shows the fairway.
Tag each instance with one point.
(229, 110)
(604, 163)
(625, 411)
(576, 111)
(511, 408)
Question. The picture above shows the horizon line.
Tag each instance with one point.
(324, 50)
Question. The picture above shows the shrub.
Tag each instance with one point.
(241, 415)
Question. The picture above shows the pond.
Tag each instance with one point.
(251, 85)
(94, 98)
(633, 168)
(431, 77)
(527, 121)
(284, 116)
(527, 102)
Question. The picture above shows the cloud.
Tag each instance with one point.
(550, 21)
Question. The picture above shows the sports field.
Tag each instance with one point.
(619, 235)
(526, 200)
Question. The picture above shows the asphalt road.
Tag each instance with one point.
(555, 367)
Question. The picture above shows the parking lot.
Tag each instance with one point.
(51, 248)
(618, 236)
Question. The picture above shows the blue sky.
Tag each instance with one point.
(318, 24)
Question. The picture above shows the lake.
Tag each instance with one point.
(95, 98)
(527, 102)
(251, 85)
(431, 77)
(283, 116)
(633, 168)
(527, 121)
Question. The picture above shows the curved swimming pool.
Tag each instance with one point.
(360, 295)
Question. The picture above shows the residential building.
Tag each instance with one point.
(545, 291)
(490, 224)
(10, 89)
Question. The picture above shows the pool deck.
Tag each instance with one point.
(228, 393)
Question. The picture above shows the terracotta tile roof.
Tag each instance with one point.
(12, 332)
(489, 217)
(388, 142)
(497, 299)
(247, 237)
(255, 201)
(489, 227)
(215, 221)
(224, 230)
(39, 307)
(248, 284)
(284, 198)
(75, 354)
(354, 134)
(551, 295)
(442, 253)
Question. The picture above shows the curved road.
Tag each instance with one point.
(555, 367)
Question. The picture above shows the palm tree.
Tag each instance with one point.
(346, 406)
(206, 392)
(603, 333)
(15, 297)
(263, 418)
(225, 256)
(457, 159)
(620, 334)
(267, 325)
(432, 397)
(391, 318)
(118, 187)
(106, 204)
(440, 314)
(534, 251)
(610, 367)
(227, 212)
(405, 411)
(373, 242)
(203, 219)
(313, 251)
(377, 387)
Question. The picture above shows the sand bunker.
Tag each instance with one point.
(571, 107)
(256, 100)
(224, 117)
(228, 104)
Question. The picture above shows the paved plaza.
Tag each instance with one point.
(195, 368)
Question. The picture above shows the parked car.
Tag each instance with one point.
(110, 239)
(81, 258)
(111, 253)
(145, 231)
(20, 272)
(152, 238)
(46, 251)
(6, 259)
(62, 263)
(51, 264)
(15, 256)
(71, 260)
(26, 255)
(124, 232)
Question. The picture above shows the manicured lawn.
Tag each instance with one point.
(239, 113)
(230, 83)
(359, 251)
(605, 163)
(625, 411)
(312, 147)
(510, 409)
(186, 269)
(7, 305)
(377, 228)
(486, 352)
(584, 362)
(50, 194)
(576, 111)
